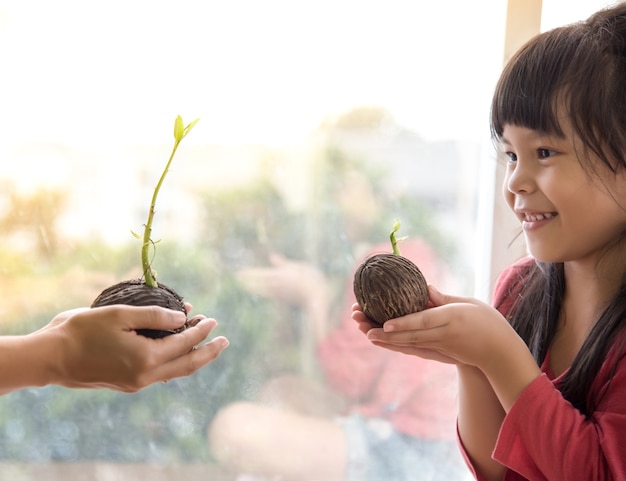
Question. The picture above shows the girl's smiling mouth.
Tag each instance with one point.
(533, 220)
(539, 216)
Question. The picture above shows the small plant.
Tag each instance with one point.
(388, 285)
(147, 290)
(180, 131)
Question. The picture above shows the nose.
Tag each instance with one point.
(519, 178)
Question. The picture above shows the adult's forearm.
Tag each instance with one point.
(26, 362)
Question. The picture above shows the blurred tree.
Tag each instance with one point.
(36, 215)
(353, 144)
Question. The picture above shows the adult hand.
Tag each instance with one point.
(99, 348)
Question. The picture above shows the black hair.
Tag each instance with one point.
(579, 71)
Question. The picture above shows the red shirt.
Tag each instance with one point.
(417, 396)
(543, 437)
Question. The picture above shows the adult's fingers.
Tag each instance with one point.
(144, 317)
(177, 345)
(196, 359)
(193, 357)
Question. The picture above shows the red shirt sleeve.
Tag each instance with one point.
(573, 447)
(544, 437)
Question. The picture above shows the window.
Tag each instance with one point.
(321, 122)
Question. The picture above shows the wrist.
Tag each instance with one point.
(28, 362)
(511, 373)
(47, 350)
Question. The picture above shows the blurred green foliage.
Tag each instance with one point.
(239, 227)
(165, 422)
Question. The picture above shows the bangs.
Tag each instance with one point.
(534, 83)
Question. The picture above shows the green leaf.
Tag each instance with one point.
(179, 129)
(190, 126)
(135, 235)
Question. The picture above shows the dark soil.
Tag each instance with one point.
(387, 286)
(136, 293)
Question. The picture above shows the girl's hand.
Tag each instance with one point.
(366, 327)
(453, 329)
(463, 331)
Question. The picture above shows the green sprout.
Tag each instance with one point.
(180, 131)
(394, 240)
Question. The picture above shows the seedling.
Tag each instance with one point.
(147, 290)
(180, 131)
(388, 285)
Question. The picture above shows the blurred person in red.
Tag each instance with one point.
(370, 416)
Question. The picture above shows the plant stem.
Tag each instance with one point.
(394, 240)
(149, 274)
(180, 131)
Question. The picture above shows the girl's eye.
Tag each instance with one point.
(511, 156)
(545, 153)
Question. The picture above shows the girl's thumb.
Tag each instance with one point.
(437, 298)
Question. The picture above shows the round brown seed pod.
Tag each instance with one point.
(388, 285)
(135, 292)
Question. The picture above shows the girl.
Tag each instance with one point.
(542, 376)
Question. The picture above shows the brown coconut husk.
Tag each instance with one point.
(135, 292)
(387, 286)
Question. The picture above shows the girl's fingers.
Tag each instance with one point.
(446, 308)
(364, 324)
(419, 321)
(438, 298)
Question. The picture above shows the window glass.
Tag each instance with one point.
(321, 123)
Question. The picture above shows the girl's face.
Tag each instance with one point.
(566, 213)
